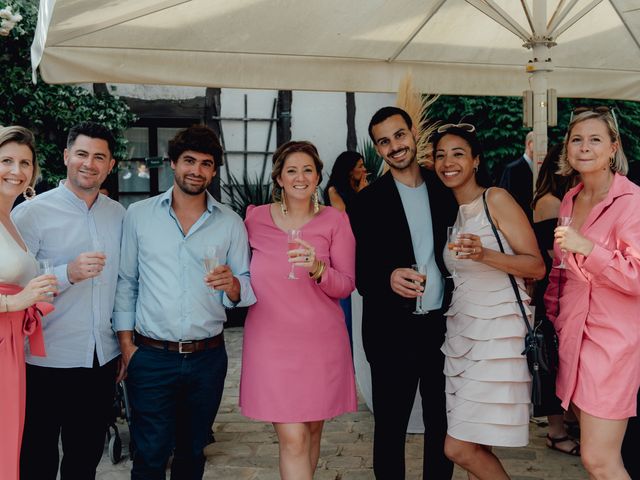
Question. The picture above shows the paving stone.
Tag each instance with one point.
(248, 450)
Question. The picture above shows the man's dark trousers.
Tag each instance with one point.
(174, 397)
(75, 404)
(631, 446)
(416, 360)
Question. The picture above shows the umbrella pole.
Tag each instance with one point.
(539, 66)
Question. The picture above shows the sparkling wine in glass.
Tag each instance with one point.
(211, 259)
(45, 267)
(98, 246)
(452, 239)
(422, 270)
(293, 235)
(563, 222)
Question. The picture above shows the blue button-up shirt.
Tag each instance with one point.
(58, 225)
(161, 290)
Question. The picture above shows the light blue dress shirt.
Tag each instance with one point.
(58, 225)
(161, 291)
(415, 202)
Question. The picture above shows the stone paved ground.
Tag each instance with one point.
(247, 450)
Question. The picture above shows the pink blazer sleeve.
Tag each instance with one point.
(338, 279)
(618, 268)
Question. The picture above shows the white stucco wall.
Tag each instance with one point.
(320, 117)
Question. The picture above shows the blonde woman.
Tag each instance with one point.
(21, 295)
(598, 315)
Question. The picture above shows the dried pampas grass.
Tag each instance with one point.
(417, 106)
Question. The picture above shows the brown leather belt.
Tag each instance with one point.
(181, 347)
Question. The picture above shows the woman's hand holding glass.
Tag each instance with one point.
(40, 289)
(570, 240)
(468, 247)
(303, 256)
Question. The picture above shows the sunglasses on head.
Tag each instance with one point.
(462, 126)
(602, 109)
(599, 109)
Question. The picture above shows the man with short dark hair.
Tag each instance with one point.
(517, 178)
(70, 392)
(399, 220)
(170, 311)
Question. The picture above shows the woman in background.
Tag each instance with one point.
(21, 295)
(348, 177)
(596, 310)
(296, 362)
(550, 188)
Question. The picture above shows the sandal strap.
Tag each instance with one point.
(558, 439)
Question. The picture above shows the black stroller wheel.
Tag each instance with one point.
(115, 446)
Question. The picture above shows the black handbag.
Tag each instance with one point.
(541, 351)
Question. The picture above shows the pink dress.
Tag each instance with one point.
(17, 267)
(598, 322)
(296, 358)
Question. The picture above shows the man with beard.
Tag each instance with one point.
(401, 220)
(170, 311)
(70, 391)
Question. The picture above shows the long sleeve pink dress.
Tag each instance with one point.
(296, 358)
(597, 316)
(17, 267)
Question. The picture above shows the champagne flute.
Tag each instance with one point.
(293, 234)
(98, 246)
(563, 222)
(452, 239)
(420, 268)
(45, 267)
(211, 259)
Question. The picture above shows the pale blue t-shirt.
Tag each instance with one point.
(415, 202)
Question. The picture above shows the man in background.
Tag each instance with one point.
(517, 177)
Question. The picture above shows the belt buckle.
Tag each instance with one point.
(180, 344)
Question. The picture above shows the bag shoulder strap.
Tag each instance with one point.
(511, 277)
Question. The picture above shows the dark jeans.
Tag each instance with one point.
(75, 404)
(631, 446)
(174, 398)
(416, 362)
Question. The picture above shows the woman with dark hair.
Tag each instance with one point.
(22, 296)
(348, 177)
(488, 385)
(594, 302)
(296, 361)
(550, 188)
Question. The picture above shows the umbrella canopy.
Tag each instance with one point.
(472, 47)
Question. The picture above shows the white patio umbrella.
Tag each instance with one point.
(582, 48)
(586, 48)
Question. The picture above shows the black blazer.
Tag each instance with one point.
(517, 179)
(383, 243)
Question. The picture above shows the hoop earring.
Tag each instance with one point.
(29, 193)
(612, 161)
(475, 169)
(316, 202)
(283, 203)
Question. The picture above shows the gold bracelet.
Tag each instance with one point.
(318, 271)
(324, 266)
(317, 275)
